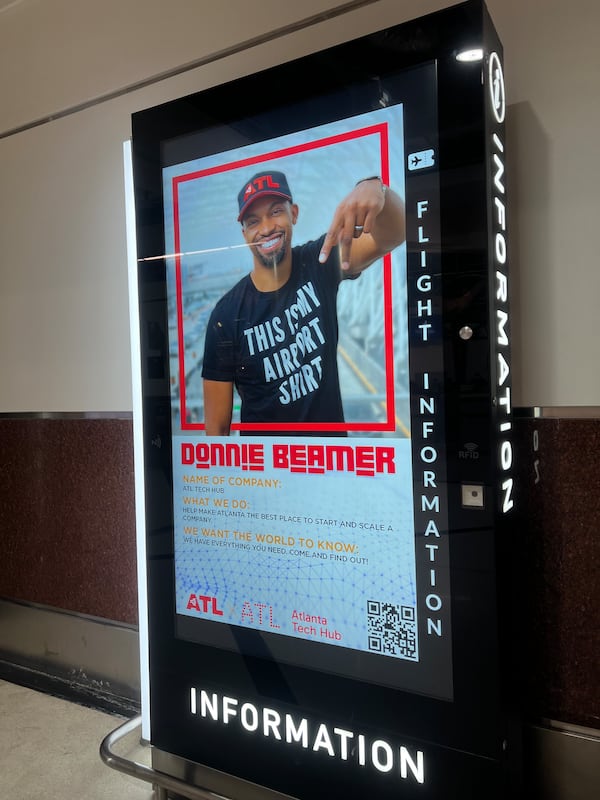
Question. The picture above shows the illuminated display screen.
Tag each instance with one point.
(295, 533)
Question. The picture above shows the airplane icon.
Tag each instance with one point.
(421, 159)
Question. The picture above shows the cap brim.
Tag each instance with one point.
(259, 196)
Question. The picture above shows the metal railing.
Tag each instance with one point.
(161, 782)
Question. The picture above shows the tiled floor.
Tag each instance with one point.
(49, 750)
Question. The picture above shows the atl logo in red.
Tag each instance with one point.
(260, 185)
(204, 604)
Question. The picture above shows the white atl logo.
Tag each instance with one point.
(496, 83)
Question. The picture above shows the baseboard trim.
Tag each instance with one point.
(561, 762)
(81, 658)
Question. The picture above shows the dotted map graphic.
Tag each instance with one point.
(279, 559)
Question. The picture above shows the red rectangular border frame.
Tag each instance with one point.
(381, 131)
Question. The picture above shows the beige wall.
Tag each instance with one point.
(63, 281)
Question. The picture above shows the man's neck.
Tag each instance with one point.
(270, 279)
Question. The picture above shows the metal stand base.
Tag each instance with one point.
(162, 783)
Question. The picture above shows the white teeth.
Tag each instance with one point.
(270, 244)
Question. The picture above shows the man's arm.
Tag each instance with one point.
(218, 407)
(367, 224)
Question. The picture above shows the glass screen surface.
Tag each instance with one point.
(295, 538)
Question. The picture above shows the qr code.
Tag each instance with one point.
(392, 629)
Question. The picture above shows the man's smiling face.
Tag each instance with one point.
(267, 228)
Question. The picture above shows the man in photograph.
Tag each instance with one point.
(274, 335)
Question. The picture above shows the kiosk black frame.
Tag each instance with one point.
(294, 717)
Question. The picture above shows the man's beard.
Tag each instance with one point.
(272, 260)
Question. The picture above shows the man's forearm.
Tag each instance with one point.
(216, 429)
(389, 229)
(218, 407)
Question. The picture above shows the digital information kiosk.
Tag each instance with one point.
(328, 604)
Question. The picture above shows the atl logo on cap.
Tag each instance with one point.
(260, 184)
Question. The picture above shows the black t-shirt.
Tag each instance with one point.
(280, 348)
